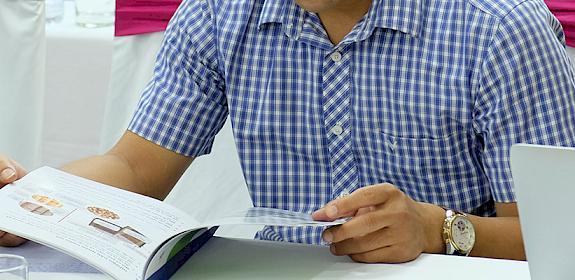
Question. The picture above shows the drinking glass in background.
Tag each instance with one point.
(54, 10)
(95, 13)
(13, 267)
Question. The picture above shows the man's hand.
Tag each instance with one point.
(10, 171)
(386, 225)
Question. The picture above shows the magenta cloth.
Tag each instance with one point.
(143, 16)
(564, 10)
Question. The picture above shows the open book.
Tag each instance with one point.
(123, 234)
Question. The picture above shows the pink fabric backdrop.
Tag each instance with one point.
(564, 10)
(143, 16)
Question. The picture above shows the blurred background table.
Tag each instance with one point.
(78, 65)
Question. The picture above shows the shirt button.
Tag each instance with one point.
(343, 194)
(335, 56)
(337, 129)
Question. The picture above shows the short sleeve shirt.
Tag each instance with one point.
(428, 95)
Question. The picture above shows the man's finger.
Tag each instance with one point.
(10, 240)
(358, 226)
(364, 210)
(390, 254)
(379, 239)
(10, 171)
(320, 215)
(20, 171)
(7, 171)
(363, 197)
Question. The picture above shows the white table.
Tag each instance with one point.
(223, 258)
(78, 65)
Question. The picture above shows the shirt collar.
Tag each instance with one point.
(284, 12)
(272, 12)
(401, 15)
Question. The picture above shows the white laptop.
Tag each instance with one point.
(544, 179)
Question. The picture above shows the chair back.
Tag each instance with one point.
(22, 67)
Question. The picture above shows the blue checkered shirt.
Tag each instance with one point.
(426, 94)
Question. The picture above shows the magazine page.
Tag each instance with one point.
(177, 250)
(114, 230)
(272, 217)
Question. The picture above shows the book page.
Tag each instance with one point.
(272, 217)
(114, 230)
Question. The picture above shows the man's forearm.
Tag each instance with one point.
(498, 237)
(134, 164)
(107, 169)
(495, 237)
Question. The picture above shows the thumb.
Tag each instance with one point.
(9, 171)
(8, 175)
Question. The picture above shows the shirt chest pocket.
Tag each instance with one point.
(421, 166)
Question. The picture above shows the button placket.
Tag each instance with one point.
(336, 106)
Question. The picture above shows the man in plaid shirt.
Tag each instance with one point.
(387, 111)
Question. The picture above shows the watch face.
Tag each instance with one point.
(462, 234)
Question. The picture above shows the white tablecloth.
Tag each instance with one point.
(78, 63)
(223, 258)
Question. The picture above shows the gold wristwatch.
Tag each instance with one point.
(458, 233)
